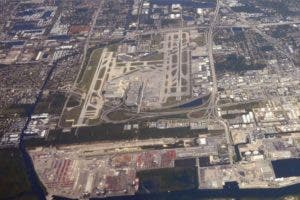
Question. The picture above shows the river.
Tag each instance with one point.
(29, 167)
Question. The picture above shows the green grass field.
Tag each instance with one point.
(153, 57)
(200, 40)
(90, 70)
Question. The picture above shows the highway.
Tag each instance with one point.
(241, 25)
(210, 44)
(211, 111)
(188, 111)
(214, 93)
(212, 106)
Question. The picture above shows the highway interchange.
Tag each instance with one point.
(211, 106)
(213, 99)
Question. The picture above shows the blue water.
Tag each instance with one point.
(188, 18)
(23, 27)
(231, 190)
(46, 15)
(25, 13)
(286, 167)
(59, 37)
(29, 167)
(194, 103)
(237, 30)
(9, 44)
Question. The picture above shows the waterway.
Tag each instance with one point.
(231, 191)
(286, 167)
(29, 167)
(194, 103)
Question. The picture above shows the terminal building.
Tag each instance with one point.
(133, 94)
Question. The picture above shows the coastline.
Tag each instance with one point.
(230, 190)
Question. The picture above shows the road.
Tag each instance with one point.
(212, 107)
(139, 12)
(210, 44)
(271, 40)
(179, 53)
(144, 115)
(187, 28)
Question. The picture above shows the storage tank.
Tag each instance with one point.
(255, 152)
